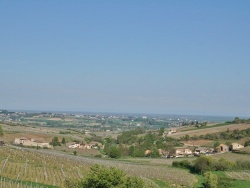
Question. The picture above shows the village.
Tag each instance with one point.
(188, 151)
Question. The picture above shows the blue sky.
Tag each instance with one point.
(179, 57)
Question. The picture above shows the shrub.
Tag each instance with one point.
(182, 164)
(103, 177)
(210, 180)
(203, 164)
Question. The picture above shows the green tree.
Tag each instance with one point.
(55, 142)
(186, 137)
(75, 152)
(203, 164)
(103, 177)
(161, 131)
(154, 153)
(63, 141)
(1, 131)
(114, 152)
(210, 180)
(216, 144)
(247, 143)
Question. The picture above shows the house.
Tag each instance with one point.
(87, 146)
(163, 152)
(74, 145)
(183, 152)
(222, 148)
(31, 143)
(171, 131)
(203, 150)
(235, 146)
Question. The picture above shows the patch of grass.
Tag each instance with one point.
(200, 182)
(240, 183)
(161, 183)
(226, 182)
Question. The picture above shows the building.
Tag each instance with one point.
(222, 148)
(203, 150)
(31, 143)
(74, 145)
(235, 146)
(183, 152)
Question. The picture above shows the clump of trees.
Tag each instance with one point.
(103, 177)
(55, 142)
(205, 163)
(134, 143)
(238, 120)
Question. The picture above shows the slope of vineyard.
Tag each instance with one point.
(50, 168)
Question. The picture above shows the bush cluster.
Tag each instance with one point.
(103, 177)
(205, 163)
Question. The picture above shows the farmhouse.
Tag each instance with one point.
(235, 146)
(222, 148)
(203, 150)
(74, 145)
(182, 152)
(31, 143)
(172, 130)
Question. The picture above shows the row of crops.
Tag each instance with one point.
(46, 168)
(38, 168)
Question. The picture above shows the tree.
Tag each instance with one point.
(63, 141)
(186, 137)
(216, 144)
(55, 142)
(161, 131)
(203, 164)
(211, 180)
(75, 152)
(103, 177)
(1, 131)
(114, 152)
(247, 143)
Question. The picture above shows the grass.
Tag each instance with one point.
(240, 183)
(227, 182)
(200, 182)
(161, 183)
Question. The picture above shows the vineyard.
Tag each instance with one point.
(241, 175)
(23, 167)
(45, 168)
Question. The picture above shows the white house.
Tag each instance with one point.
(32, 143)
(235, 146)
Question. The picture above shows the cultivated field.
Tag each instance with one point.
(210, 130)
(241, 175)
(232, 156)
(48, 167)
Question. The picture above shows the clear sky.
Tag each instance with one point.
(179, 57)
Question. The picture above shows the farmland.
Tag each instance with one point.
(210, 130)
(51, 168)
(22, 167)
